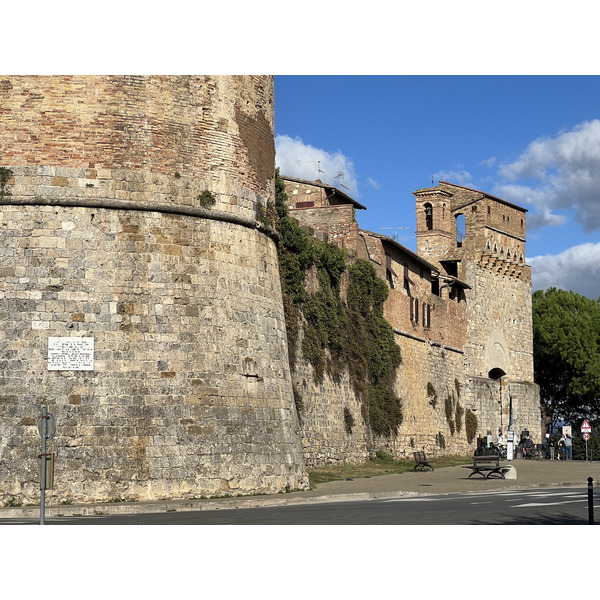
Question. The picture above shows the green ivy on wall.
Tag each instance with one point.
(339, 333)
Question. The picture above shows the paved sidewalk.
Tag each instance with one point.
(448, 480)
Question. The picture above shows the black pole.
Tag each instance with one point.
(590, 501)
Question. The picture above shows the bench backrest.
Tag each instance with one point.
(420, 457)
(486, 459)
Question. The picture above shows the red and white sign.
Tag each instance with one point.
(586, 436)
(585, 427)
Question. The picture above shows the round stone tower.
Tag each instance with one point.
(140, 298)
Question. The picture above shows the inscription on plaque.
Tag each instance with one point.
(70, 354)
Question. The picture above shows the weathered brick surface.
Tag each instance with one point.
(329, 213)
(140, 138)
(191, 391)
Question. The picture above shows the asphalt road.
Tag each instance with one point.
(510, 507)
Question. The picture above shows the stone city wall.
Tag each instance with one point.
(190, 392)
(105, 235)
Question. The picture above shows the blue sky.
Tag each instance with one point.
(464, 91)
(532, 140)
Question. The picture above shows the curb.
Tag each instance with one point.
(135, 508)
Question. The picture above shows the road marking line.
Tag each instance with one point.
(547, 503)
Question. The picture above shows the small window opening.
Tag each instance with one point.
(389, 270)
(460, 230)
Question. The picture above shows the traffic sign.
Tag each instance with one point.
(586, 427)
(50, 426)
(586, 436)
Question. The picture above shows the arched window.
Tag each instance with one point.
(429, 216)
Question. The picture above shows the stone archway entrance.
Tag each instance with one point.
(496, 373)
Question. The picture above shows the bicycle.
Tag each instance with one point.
(532, 453)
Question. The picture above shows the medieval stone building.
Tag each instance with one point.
(460, 308)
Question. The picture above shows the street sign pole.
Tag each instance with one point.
(586, 431)
(43, 474)
(46, 429)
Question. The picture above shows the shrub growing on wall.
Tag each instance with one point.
(432, 394)
(449, 413)
(348, 420)
(470, 425)
(458, 416)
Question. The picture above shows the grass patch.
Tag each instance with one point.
(380, 465)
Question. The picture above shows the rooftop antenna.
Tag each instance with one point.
(341, 176)
(318, 165)
(395, 238)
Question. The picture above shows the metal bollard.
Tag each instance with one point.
(590, 501)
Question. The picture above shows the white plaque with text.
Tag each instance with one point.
(70, 354)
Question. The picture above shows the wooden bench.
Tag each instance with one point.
(486, 466)
(421, 461)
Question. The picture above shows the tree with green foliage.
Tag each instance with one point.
(566, 352)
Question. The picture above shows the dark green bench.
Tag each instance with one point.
(486, 466)
(421, 461)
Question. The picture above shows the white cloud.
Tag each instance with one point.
(568, 169)
(523, 195)
(373, 183)
(460, 177)
(576, 269)
(488, 162)
(297, 159)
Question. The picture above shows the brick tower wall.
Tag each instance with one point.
(104, 236)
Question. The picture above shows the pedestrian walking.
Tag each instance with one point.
(551, 445)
